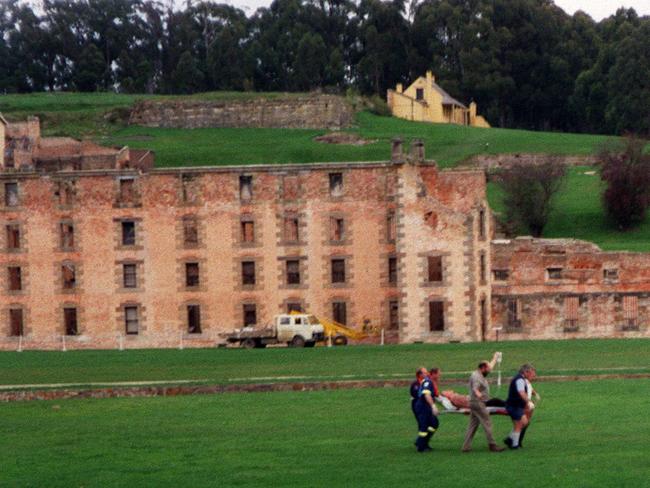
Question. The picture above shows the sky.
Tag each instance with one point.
(598, 9)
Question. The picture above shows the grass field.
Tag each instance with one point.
(585, 434)
(225, 366)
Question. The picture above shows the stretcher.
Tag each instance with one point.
(449, 407)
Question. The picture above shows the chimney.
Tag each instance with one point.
(399, 88)
(430, 78)
(417, 151)
(396, 150)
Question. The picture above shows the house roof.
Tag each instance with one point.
(447, 99)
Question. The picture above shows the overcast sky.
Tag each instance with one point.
(598, 9)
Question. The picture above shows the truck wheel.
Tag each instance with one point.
(310, 344)
(297, 341)
(248, 343)
(340, 340)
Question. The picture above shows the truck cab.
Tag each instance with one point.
(299, 330)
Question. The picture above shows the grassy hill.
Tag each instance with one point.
(102, 116)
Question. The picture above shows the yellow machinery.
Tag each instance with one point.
(338, 333)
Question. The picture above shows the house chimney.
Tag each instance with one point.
(430, 78)
(399, 88)
(396, 153)
(417, 151)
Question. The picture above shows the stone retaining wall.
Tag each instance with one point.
(497, 161)
(307, 112)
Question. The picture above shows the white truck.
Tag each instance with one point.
(296, 330)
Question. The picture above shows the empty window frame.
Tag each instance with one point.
(247, 231)
(128, 232)
(393, 314)
(338, 270)
(554, 273)
(630, 311)
(248, 272)
(434, 269)
(190, 231)
(66, 192)
(194, 319)
(391, 228)
(188, 189)
(66, 232)
(571, 306)
(340, 312)
(419, 93)
(482, 265)
(513, 316)
(291, 229)
(127, 191)
(130, 275)
(481, 223)
(436, 315)
(245, 187)
(16, 322)
(337, 229)
(336, 184)
(501, 274)
(70, 321)
(131, 319)
(15, 278)
(11, 194)
(249, 314)
(610, 274)
(293, 271)
(294, 307)
(68, 276)
(191, 274)
(392, 270)
(12, 232)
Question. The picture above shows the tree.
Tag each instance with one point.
(528, 191)
(626, 171)
(88, 74)
(187, 77)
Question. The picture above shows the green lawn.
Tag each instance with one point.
(587, 434)
(579, 213)
(225, 366)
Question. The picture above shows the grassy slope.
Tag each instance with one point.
(236, 365)
(336, 438)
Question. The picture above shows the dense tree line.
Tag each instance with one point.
(525, 62)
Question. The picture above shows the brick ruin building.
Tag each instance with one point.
(130, 256)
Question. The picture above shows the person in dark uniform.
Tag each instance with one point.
(415, 387)
(426, 413)
(519, 405)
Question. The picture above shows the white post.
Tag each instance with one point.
(329, 340)
(499, 359)
(20, 343)
(63, 343)
(180, 345)
(382, 336)
(121, 342)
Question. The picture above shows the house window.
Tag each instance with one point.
(293, 272)
(11, 194)
(127, 191)
(190, 231)
(610, 274)
(128, 233)
(514, 322)
(631, 311)
(392, 270)
(15, 278)
(419, 93)
(69, 276)
(16, 326)
(248, 272)
(192, 274)
(554, 273)
(188, 192)
(501, 274)
(393, 314)
(250, 314)
(434, 265)
(337, 229)
(436, 316)
(482, 267)
(66, 192)
(247, 231)
(338, 270)
(340, 313)
(245, 187)
(294, 307)
(481, 223)
(336, 184)
(70, 321)
(129, 275)
(291, 229)
(131, 320)
(391, 229)
(571, 305)
(13, 236)
(193, 319)
(67, 235)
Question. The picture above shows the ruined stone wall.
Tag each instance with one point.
(306, 112)
(497, 161)
(568, 289)
(159, 201)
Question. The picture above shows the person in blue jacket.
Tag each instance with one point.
(426, 413)
(519, 405)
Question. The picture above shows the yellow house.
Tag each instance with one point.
(426, 101)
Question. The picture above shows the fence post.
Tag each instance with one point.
(63, 348)
(382, 336)
(121, 342)
(180, 344)
(20, 343)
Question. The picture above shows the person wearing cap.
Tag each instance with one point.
(415, 387)
(479, 393)
(519, 405)
(426, 413)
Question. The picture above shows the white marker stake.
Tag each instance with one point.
(382, 336)
(499, 371)
(329, 340)
(20, 343)
(180, 345)
(63, 343)
(121, 342)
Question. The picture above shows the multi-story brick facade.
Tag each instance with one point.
(119, 257)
